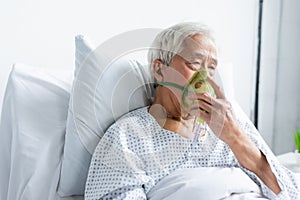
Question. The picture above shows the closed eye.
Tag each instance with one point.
(212, 67)
(194, 65)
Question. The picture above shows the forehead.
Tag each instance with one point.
(198, 46)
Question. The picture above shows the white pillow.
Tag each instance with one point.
(75, 157)
(32, 131)
(82, 49)
(105, 88)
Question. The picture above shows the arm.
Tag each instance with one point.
(252, 154)
(116, 172)
(112, 185)
(250, 157)
(95, 189)
(223, 123)
(290, 188)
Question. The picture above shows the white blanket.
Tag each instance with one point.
(206, 183)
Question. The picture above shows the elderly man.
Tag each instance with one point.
(140, 152)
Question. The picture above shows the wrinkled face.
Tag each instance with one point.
(198, 52)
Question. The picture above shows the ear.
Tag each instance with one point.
(158, 67)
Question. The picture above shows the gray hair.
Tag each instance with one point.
(169, 41)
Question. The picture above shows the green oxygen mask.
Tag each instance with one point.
(197, 83)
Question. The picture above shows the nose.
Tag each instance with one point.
(204, 66)
(205, 63)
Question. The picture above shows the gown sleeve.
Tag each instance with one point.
(290, 189)
(116, 171)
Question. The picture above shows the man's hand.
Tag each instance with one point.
(217, 112)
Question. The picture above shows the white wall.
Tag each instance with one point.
(279, 113)
(41, 33)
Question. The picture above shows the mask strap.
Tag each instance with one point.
(169, 84)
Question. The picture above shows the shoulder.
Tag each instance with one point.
(136, 118)
(133, 127)
(133, 122)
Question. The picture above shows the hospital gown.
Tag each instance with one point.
(136, 153)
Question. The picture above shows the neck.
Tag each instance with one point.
(167, 112)
(169, 102)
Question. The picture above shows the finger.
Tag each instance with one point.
(202, 105)
(202, 114)
(203, 96)
(218, 90)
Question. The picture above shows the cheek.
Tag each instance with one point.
(187, 74)
(183, 76)
(183, 73)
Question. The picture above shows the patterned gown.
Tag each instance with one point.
(136, 153)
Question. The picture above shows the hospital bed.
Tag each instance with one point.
(45, 145)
